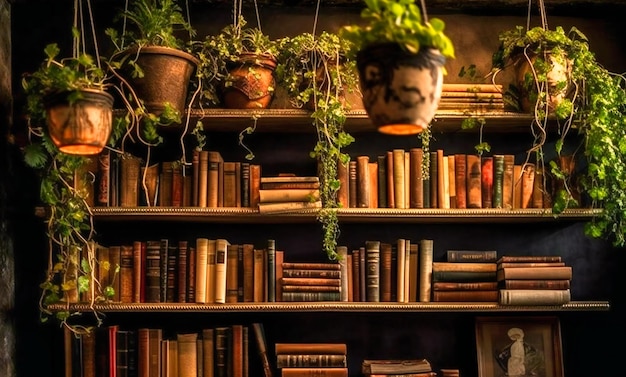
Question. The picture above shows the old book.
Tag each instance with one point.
(195, 172)
(282, 207)
(289, 195)
(248, 272)
(177, 184)
(465, 295)
(314, 372)
(425, 269)
(279, 258)
(202, 248)
(486, 174)
(172, 273)
(232, 257)
(471, 256)
(517, 186)
(103, 179)
(343, 193)
(115, 258)
(165, 183)
(372, 249)
(221, 351)
(353, 184)
(164, 262)
(261, 343)
(460, 180)
(530, 264)
(149, 185)
(416, 196)
(534, 296)
(153, 271)
(392, 366)
(259, 279)
(407, 270)
(300, 185)
(372, 167)
(356, 275)
(527, 185)
(310, 288)
(311, 296)
(255, 184)
(465, 286)
(281, 348)
(424, 374)
(445, 168)
(389, 179)
(126, 273)
(414, 272)
(221, 269)
(149, 351)
(463, 276)
(342, 258)
(311, 281)
(508, 181)
(191, 273)
(385, 271)
(211, 263)
(181, 281)
(363, 182)
(434, 181)
(534, 284)
(129, 193)
(289, 178)
(203, 178)
(230, 184)
(442, 171)
(399, 194)
(286, 360)
(381, 180)
(235, 351)
(529, 258)
(311, 266)
(538, 188)
(169, 358)
(451, 180)
(350, 277)
(400, 269)
(215, 178)
(271, 269)
(452, 266)
(474, 182)
(311, 273)
(187, 354)
(498, 181)
(208, 351)
(245, 184)
(535, 273)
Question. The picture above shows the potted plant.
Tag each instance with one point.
(316, 75)
(400, 57)
(238, 67)
(590, 103)
(153, 64)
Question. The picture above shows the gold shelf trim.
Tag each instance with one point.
(366, 307)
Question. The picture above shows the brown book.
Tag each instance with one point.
(181, 281)
(191, 274)
(208, 350)
(311, 185)
(88, 341)
(465, 286)
(288, 195)
(232, 256)
(407, 181)
(310, 281)
(534, 296)
(433, 180)
(187, 354)
(343, 194)
(248, 272)
(535, 284)
(471, 256)
(259, 278)
(391, 202)
(451, 179)
(245, 184)
(148, 185)
(530, 264)
(342, 260)
(103, 179)
(507, 181)
(350, 277)
(454, 266)
(426, 269)
(102, 255)
(497, 201)
(373, 183)
(413, 249)
(259, 336)
(279, 258)
(129, 193)
(424, 374)
(230, 184)
(372, 278)
(311, 361)
(395, 366)
(538, 189)
(486, 174)
(416, 196)
(221, 351)
(535, 273)
(528, 183)
(460, 180)
(149, 352)
(126, 277)
(310, 288)
(385, 272)
(474, 182)
(202, 255)
(310, 348)
(311, 266)
(401, 270)
(165, 183)
(517, 186)
(195, 168)
(293, 206)
(529, 258)
(353, 183)
(381, 180)
(399, 185)
(356, 275)
(465, 295)
(363, 182)
(236, 351)
(442, 171)
(314, 372)
(255, 185)
(310, 273)
(84, 178)
(221, 270)
(214, 178)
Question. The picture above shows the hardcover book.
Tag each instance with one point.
(363, 182)
(311, 348)
(534, 284)
(474, 182)
(372, 249)
(535, 273)
(452, 266)
(465, 295)
(311, 360)
(534, 296)
(471, 256)
(460, 169)
(390, 366)
(463, 276)
(314, 372)
(465, 286)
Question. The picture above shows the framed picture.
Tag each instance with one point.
(519, 347)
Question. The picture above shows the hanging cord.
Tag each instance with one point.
(424, 14)
(79, 44)
(258, 18)
(317, 11)
(542, 14)
(124, 25)
(93, 33)
(75, 41)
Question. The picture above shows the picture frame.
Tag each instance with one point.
(527, 346)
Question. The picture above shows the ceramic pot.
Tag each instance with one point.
(401, 91)
(81, 126)
(250, 84)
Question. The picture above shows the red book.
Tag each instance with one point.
(486, 171)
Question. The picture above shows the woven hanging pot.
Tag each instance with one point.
(251, 82)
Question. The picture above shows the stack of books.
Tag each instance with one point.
(472, 96)
(390, 367)
(311, 281)
(534, 280)
(312, 359)
(467, 275)
(289, 193)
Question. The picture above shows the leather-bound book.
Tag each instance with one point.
(261, 343)
(538, 188)
(353, 184)
(255, 184)
(425, 269)
(177, 184)
(385, 272)
(88, 342)
(103, 179)
(163, 268)
(314, 372)
(528, 183)
(187, 354)
(343, 194)
(381, 179)
(398, 179)
(401, 269)
(442, 171)
(259, 279)
(230, 184)
(208, 352)
(279, 259)
(373, 184)
(248, 272)
(221, 351)
(535, 273)
(416, 197)
(202, 249)
(508, 181)
(486, 174)
(460, 180)
(451, 179)
(356, 275)
(232, 252)
(372, 248)
(211, 265)
(534, 296)
(195, 171)
(236, 351)
(127, 263)
(181, 282)
(172, 273)
(391, 201)
(434, 181)
(203, 179)
(474, 182)
(191, 273)
(498, 181)
(245, 184)
(271, 270)
(517, 186)
(115, 259)
(130, 167)
(214, 178)
(465, 295)
(363, 182)
(165, 184)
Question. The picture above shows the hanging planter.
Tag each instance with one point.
(80, 125)
(250, 82)
(400, 58)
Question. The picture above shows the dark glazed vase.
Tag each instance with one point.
(250, 84)
(401, 91)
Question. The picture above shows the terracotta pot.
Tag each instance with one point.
(251, 82)
(401, 91)
(167, 72)
(558, 81)
(83, 126)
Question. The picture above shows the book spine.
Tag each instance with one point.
(460, 174)
(363, 182)
(221, 351)
(288, 195)
(271, 270)
(434, 180)
(232, 256)
(153, 271)
(127, 262)
(564, 272)
(259, 336)
(202, 245)
(534, 296)
(471, 256)
(356, 275)
(191, 274)
(245, 184)
(221, 250)
(342, 257)
(391, 202)
(310, 288)
(381, 181)
(314, 372)
(474, 184)
(452, 266)
(164, 261)
(465, 295)
(464, 286)
(426, 269)
(530, 258)
(177, 184)
(172, 273)
(103, 178)
(310, 266)
(310, 348)
(398, 178)
(486, 174)
(416, 197)
(181, 293)
(309, 273)
(400, 268)
(463, 276)
(498, 181)
(353, 184)
(310, 360)
(372, 248)
(312, 281)
(248, 272)
(255, 185)
(528, 182)
(187, 355)
(534, 284)
(311, 296)
(385, 272)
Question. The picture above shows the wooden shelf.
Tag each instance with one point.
(346, 215)
(299, 121)
(343, 307)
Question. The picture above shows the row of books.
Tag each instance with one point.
(396, 180)
(312, 359)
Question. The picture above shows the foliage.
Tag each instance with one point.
(398, 21)
(595, 106)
